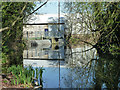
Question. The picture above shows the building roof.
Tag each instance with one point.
(44, 18)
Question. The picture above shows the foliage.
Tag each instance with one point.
(114, 50)
(74, 40)
(101, 19)
(24, 75)
(5, 81)
(107, 72)
(107, 20)
(12, 41)
(4, 63)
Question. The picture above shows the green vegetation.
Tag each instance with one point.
(12, 40)
(100, 19)
(107, 20)
(14, 15)
(74, 40)
(5, 81)
(24, 75)
(107, 71)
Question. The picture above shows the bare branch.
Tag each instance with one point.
(38, 8)
(89, 62)
(18, 18)
(83, 51)
(87, 42)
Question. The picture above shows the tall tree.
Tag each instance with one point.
(12, 43)
(107, 21)
(13, 16)
(100, 19)
(80, 21)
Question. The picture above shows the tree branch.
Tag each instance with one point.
(38, 7)
(6, 28)
(87, 42)
(84, 50)
(18, 18)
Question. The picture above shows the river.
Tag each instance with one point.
(79, 67)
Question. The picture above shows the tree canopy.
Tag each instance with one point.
(14, 14)
(101, 19)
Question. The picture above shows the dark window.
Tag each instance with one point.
(46, 30)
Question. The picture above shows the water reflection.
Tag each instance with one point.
(75, 67)
(107, 72)
(45, 51)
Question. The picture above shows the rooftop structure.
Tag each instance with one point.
(44, 23)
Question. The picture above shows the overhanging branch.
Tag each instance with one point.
(84, 50)
(19, 17)
(38, 8)
(87, 42)
(6, 28)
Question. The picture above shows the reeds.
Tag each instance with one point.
(25, 75)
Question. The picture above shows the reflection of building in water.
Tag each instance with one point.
(75, 77)
(72, 57)
(45, 52)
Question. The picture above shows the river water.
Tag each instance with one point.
(78, 67)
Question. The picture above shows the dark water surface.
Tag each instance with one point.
(74, 67)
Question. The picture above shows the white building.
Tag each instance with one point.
(39, 30)
(76, 23)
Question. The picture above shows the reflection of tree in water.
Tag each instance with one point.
(107, 72)
(80, 75)
(78, 57)
(92, 72)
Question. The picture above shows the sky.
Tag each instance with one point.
(50, 8)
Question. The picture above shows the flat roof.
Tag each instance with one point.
(43, 23)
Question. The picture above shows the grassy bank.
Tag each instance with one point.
(22, 77)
